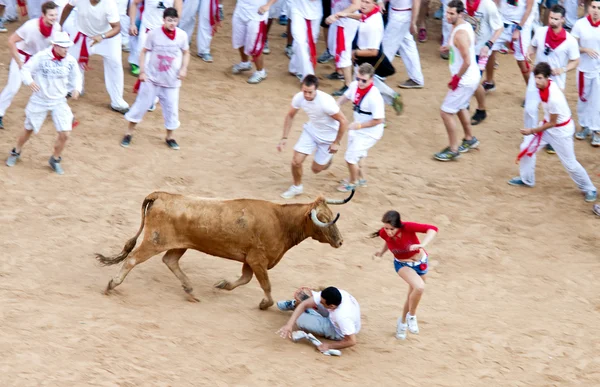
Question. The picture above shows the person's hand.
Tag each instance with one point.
(133, 31)
(557, 71)
(285, 332)
(34, 87)
(444, 49)
(516, 35)
(593, 53)
(142, 77)
(74, 95)
(182, 73)
(281, 145)
(485, 51)
(415, 247)
(354, 126)
(331, 19)
(413, 28)
(528, 58)
(526, 132)
(264, 9)
(333, 148)
(323, 347)
(95, 40)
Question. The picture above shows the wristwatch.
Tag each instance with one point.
(519, 27)
(489, 44)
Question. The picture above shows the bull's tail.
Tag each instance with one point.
(107, 261)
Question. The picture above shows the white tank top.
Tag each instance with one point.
(455, 60)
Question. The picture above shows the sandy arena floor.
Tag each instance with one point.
(512, 298)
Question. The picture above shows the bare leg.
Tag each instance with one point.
(243, 280)
(347, 72)
(59, 145)
(451, 129)
(406, 304)
(524, 67)
(259, 62)
(465, 120)
(130, 129)
(146, 251)
(243, 55)
(480, 96)
(288, 31)
(423, 14)
(489, 68)
(417, 287)
(354, 173)
(171, 259)
(23, 139)
(258, 263)
(297, 161)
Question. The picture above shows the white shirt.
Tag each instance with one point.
(248, 9)
(165, 57)
(370, 33)
(514, 14)
(123, 6)
(589, 37)
(485, 21)
(154, 11)
(401, 4)
(95, 20)
(52, 76)
(557, 58)
(557, 104)
(319, 111)
(372, 103)
(455, 60)
(33, 40)
(339, 6)
(308, 9)
(346, 317)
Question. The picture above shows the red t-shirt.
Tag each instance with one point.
(404, 238)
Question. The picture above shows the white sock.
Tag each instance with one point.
(262, 72)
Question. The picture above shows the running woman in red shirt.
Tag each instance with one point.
(410, 262)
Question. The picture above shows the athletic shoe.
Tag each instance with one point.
(397, 104)
(1, 123)
(286, 305)
(257, 77)
(446, 155)
(439, 14)
(340, 92)
(206, 57)
(479, 116)
(289, 51)
(2, 28)
(410, 84)
(221, 12)
(283, 20)
(550, 150)
(422, 36)
(591, 196)
(293, 191)
(467, 145)
(335, 76)
(12, 158)
(444, 55)
(152, 108)
(360, 183)
(401, 330)
(489, 87)
(347, 187)
(266, 49)
(398, 55)
(585, 132)
(596, 209)
(126, 141)
(596, 139)
(135, 69)
(125, 48)
(120, 110)
(55, 165)
(172, 144)
(518, 182)
(241, 67)
(325, 57)
(411, 321)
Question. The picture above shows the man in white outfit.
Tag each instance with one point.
(587, 32)
(125, 23)
(322, 133)
(306, 20)
(99, 27)
(207, 12)
(465, 81)
(557, 130)
(160, 75)
(50, 74)
(32, 37)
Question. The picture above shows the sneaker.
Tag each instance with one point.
(467, 145)
(422, 36)
(283, 20)
(55, 165)
(241, 67)
(286, 305)
(489, 87)
(397, 104)
(12, 158)
(479, 116)
(119, 110)
(125, 48)
(135, 69)
(360, 183)
(446, 155)
(1, 123)
(410, 84)
(596, 139)
(335, 76)
(172, 144)
(283, 35)
(550, 150)
(340, 92)
(325, 57)
(401, 330)
(444, 55)
(266, 49)
(398, 55)
(596, 209)
(585, 132)
(518, 182)
(591, 196)
(206, 57)
(2, 28)
(126, 141)
(221, 12)
(439, 14)
(257, 77)
(411, 321)
(299, 335)
(293, 191)
(347, 187)
(289, 51)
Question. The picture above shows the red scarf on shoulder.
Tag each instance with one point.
(545, 93)
(472, 7)
(45, 30)
(170, 34)
(595, 25)
(364, 17)
(56, 57)
(360, 93)
(553, 39)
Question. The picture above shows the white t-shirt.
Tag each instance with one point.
(455, 60)
(339, 6)
(153, 13)
(95, 20)
(557, 104)
(165, 57)
(308, 9)
(557, 58)
(123, 6)
(401, 4)
(319, 112)
(589, 37)
(485, 21)
(370, 33)
(372, 103)
(33, 40)
(248, 9)
(515, 13)
(346, 317)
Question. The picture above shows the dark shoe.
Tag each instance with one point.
(119, 110)
(397, 104)
(489, 87)
(335, 76)
(410, 84)
(55, 165)
(126, 141)
(467, 145)
(340, 92)
(12, 159)
(550, 150)
(172, 144)
(479, 116)
(446, 155)
(1, 123)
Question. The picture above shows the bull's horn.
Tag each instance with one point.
(340, 201)
(313, 216)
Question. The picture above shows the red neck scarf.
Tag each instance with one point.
(56, 56)
(364, 17)
(170, 34)
(44, 29)
(472, 7)
(553, 39)
(360, 94)
(545, 93)
(595, 25)
(214, 14)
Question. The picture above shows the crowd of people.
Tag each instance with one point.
(51, 51)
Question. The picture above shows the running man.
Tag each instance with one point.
(557, 130)
(306, 16)
(161, 75)
(50, 74)
(323, 132)
(465, 81)
(32, 37)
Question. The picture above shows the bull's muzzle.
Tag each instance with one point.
(313, 216)
(340, 201)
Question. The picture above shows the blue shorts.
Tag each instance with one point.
(420, 267)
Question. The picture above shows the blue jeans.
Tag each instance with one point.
(416, 266)
(318, 324)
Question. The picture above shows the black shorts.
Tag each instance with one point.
(326, 12)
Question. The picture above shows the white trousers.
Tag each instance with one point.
(201, 9)
(34, 8)
(136, 48)
(169, 101)
(572, 12)
(446, 27)
(10, 12)
(588, 111)
(301, 61)
(397, 38)
(13, 85)
(350, 27)
(125, 23)
(564, 147)
(110, 51)
(387, 92)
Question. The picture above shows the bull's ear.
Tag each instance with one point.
(320, 200)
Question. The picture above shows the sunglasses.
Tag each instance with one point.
(547, 50)
(362, 80)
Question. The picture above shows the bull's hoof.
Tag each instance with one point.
(265, 304)
(108, 288)
(223, 284)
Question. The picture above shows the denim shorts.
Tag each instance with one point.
(420, 267)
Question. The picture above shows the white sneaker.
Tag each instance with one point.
(293, 191)
(596, 139)
(401, 330)
(413, 327)
(257, 77)
(241, 67)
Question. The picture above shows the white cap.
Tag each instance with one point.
(62, 39)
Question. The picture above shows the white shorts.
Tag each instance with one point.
(519, 47)
(458, 99)
(350, 27)
(250, 34)
(35, 115)
(276, 9)
(169, 101)
(358, 146)
(307, 144)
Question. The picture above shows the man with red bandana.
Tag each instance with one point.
(32, 37)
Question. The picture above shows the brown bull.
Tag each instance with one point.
(255, 232)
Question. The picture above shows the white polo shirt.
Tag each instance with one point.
(485, 21)
(154, 11)
(165, 57)
(557, 104)
(95, 20)
(589, 37)
(346, 317)
(33, 40)
(372, 103)
(370, 33)
(557, 58)
(319, 111)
